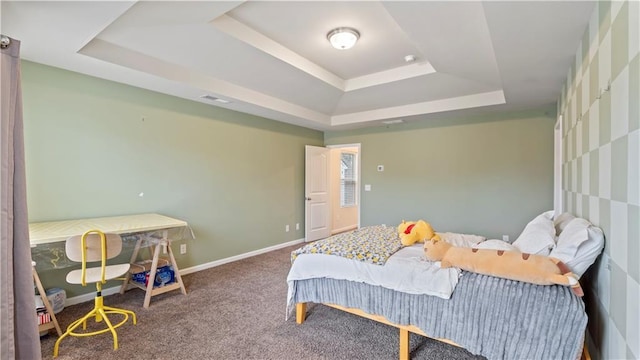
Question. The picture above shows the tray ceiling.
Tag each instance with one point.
(272, 58)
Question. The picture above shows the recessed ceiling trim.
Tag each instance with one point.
(116, 54)
(394, 121)
(250, 36)
(246, 34)
(427, 107)
(472, 42)
(388, 76)
(98, 30)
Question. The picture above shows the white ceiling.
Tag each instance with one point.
(272, 58)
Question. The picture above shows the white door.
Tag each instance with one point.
(317, 210)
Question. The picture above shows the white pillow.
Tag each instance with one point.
(561, 222)
(548, 214)
(538, 237)
(461, 240)
(579, 244)
(495, 244)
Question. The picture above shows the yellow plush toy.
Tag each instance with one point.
(514, 265)
(414, 232)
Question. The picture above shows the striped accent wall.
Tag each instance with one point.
(599, 106)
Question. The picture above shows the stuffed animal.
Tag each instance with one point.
(514, 265)
(414, 232)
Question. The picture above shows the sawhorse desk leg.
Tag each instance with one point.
(134, 257)
(150, 291)
(47, 304)
(175, 269)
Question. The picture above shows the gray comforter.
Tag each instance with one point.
(489, 316)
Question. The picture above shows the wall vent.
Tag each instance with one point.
(213, 98)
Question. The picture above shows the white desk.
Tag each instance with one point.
(144, 224)
(54, 231)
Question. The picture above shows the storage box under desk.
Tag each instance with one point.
(152, 266)
(165, 275)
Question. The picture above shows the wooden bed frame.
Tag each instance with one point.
(301, 313)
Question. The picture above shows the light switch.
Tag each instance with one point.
(367, 187)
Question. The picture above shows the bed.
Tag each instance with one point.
(489, 316)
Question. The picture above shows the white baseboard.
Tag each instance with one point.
(211, 264)
(114, 290)
(90, 296)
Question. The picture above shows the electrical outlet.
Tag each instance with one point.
(183, 249)
(505, 238)
(297, 226)
(286, 228)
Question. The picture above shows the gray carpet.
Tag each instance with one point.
(237, 311)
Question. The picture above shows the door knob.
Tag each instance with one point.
(308, 198)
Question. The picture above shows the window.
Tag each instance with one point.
(348, 176)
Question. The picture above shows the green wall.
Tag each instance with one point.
(486, 176)
(92, 146)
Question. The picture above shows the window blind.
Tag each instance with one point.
(348, 179)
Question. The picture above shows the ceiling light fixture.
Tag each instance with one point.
(343, 38)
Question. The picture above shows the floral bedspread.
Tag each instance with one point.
(371, 244)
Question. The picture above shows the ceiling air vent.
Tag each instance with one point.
(213, 98)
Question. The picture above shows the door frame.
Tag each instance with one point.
(358, 178)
